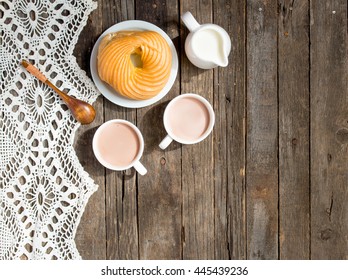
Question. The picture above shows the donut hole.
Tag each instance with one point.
(136, 58)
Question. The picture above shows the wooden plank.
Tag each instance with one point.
(198, 159)
(294, 129)
(121, 190)
(159, 192)
(229, 136)
(262, 130)
(90, 236)
(329, 130)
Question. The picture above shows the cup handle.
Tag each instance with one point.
(165, 142)
(140, 168)
(190, 22)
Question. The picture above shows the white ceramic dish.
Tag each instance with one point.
(107, 90)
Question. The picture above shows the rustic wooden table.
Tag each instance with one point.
(271, 182)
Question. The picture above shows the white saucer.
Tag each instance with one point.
(108, 91)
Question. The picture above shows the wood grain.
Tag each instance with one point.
(329, 130)
(270, 182)
(90, 236)
(229, 136)
(159, 192)
(262, 130)
(293, 71)
(198, 159)
(121, 188)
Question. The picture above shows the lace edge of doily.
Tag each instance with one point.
(88, 195)
(89, 181)
(91, 186)
(92, 6)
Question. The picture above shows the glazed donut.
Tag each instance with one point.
(117, 65)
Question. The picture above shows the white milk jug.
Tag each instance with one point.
(208, 45)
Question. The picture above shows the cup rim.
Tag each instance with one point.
(211, 116)
(97, 153)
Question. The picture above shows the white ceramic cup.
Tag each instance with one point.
(171, 135)
(207, 45)
(135, 163)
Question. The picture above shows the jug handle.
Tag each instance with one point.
(190, 22)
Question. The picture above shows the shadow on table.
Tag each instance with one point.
(153, 129)
(84, 152)
(122, 175)
(115, 111)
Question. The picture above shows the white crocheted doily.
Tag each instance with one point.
(43, 187)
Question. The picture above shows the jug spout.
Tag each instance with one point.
(221, 61)
(217, 48)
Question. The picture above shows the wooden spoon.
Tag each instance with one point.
(81, 110)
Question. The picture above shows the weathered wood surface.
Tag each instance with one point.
(262, 131)
(121, 187)
(271, 181)
(197, 160)
(159, 192)
(229, 137)
(90, 236)
(329, 130)
(293, 69)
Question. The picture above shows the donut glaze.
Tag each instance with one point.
(136, 81)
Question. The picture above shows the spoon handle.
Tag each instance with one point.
(81, 110)
(34, 71)
(38, 74)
